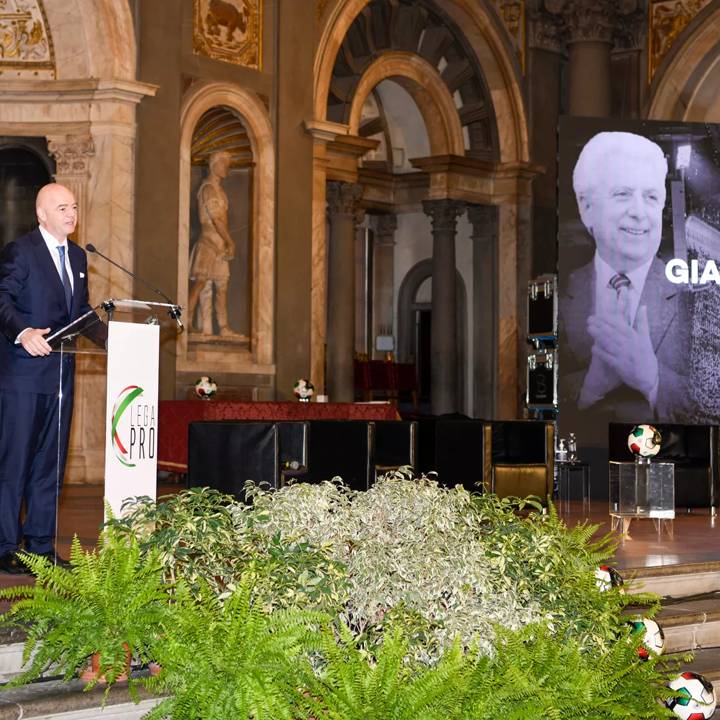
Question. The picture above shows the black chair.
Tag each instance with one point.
(691, 448)
(395, 445)
(293, 450)
(224, 454)
(462, 453)
(523, 458)
(343, 448)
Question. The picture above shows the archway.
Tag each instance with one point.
(685, 85)
(254, 115)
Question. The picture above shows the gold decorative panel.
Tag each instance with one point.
(229, 30)
(667, 19)
(26, 48)
(512, 13)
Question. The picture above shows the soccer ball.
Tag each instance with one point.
(644, 440)
(697, 701)
(653, 638)
(607, 577)
(205, 387)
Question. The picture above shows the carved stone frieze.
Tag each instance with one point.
(591, 20)
(443, 214)
(546, 31)
(26, 47)
(72, 153)
(344, 199)
(229, 30)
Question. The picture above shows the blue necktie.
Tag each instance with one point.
(65, 279)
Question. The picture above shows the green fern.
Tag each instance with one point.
(536, 676)
(232, 659)
(108, 598)
(352, 685)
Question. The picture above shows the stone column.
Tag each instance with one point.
(72, 155)
(383, 278)
(443, 355)
(483, 219)
(591, 28)
(343, 207)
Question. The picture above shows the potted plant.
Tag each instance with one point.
(110, 603)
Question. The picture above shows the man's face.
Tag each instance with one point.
(57, 211)
(624, 212)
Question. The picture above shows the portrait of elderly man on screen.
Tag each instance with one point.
(623, 325)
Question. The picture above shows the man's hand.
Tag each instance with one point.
(628, 351)
(600, 379)
(34, 342)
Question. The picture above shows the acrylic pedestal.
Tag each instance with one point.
(642, 489)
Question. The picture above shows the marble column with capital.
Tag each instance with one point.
(591, 26)
(344, 213)
(444, 349)
(72, 155)
(383, 277)
(484, 222)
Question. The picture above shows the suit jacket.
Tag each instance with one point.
(667, 313)
(32, 296)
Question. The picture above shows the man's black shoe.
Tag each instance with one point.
(11, 564)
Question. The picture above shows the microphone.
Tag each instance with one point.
(174, 312)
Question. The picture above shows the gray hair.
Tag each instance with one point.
(601, 147)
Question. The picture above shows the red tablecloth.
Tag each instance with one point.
(175, 416)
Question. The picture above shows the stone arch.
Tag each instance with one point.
(250, 108)
(414, 278)
(487, 39)
(431, 96)
(685, 84)
(92, 39)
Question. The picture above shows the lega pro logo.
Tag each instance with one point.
(133, 430)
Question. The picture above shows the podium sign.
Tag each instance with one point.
(132, 412)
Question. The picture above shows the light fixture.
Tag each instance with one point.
(682, 159)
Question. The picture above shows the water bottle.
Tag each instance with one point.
(572, 448)
(562, 451)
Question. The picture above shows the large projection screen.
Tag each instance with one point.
(638, 258)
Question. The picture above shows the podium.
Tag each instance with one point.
(131, 411)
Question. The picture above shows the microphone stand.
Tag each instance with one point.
(174, 312)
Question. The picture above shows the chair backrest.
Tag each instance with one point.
(341, 447)
(293, 443)
(395, 443)
(522, 458)
(686, 444)
(519, 442)
(224, 454)
(462, 453)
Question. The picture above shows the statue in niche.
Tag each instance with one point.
(212, 253)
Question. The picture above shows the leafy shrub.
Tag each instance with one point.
(207, 539)
(411, 548)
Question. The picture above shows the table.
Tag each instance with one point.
(174, 417)
(565, 470)
(643, 489)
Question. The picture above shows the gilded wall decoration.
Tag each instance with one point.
(229, 30)
(512, 13)
(667, 19)
(26, 48)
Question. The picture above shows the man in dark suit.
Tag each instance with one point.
(623, 325)
(43, 287)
